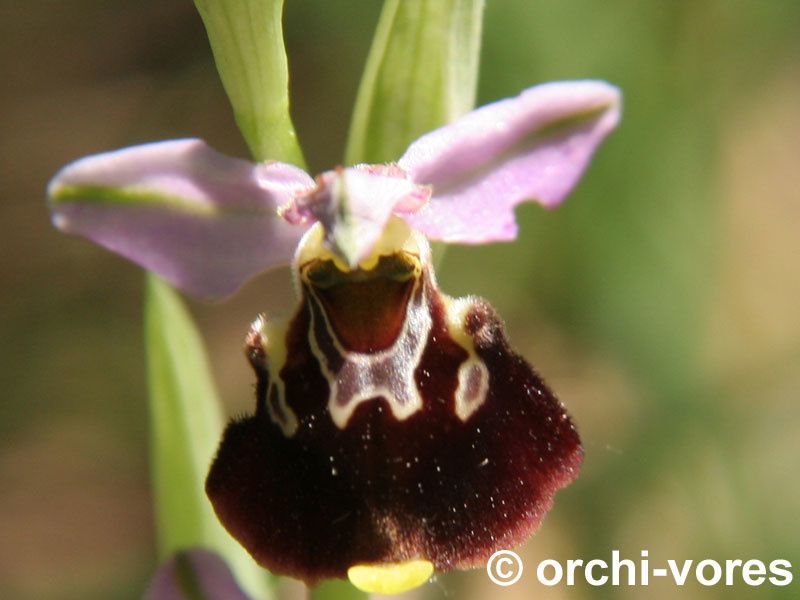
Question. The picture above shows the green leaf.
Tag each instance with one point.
(247, 41)
(421, 73)
(186, 426)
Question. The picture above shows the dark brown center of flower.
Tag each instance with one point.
(366, 309)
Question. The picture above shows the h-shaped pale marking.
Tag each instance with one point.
(388, 373)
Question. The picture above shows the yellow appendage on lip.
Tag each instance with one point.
(394, 578)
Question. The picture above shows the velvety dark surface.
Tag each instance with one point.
(383, 490)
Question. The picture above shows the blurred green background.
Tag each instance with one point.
(661, 302)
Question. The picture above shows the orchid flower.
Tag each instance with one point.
(394, 428)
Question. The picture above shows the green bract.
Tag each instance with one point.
(421, 73)
(247, 40)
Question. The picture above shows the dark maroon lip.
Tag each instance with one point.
(383, 489)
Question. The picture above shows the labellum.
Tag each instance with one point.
(393, 423)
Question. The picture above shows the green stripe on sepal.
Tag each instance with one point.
(135, 198)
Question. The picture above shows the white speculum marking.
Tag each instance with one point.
(273, 335)
(473, 376)
(388, 374)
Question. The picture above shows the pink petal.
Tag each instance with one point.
(532, 147)
(355, 204)
(194, 572)
(203, 221)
